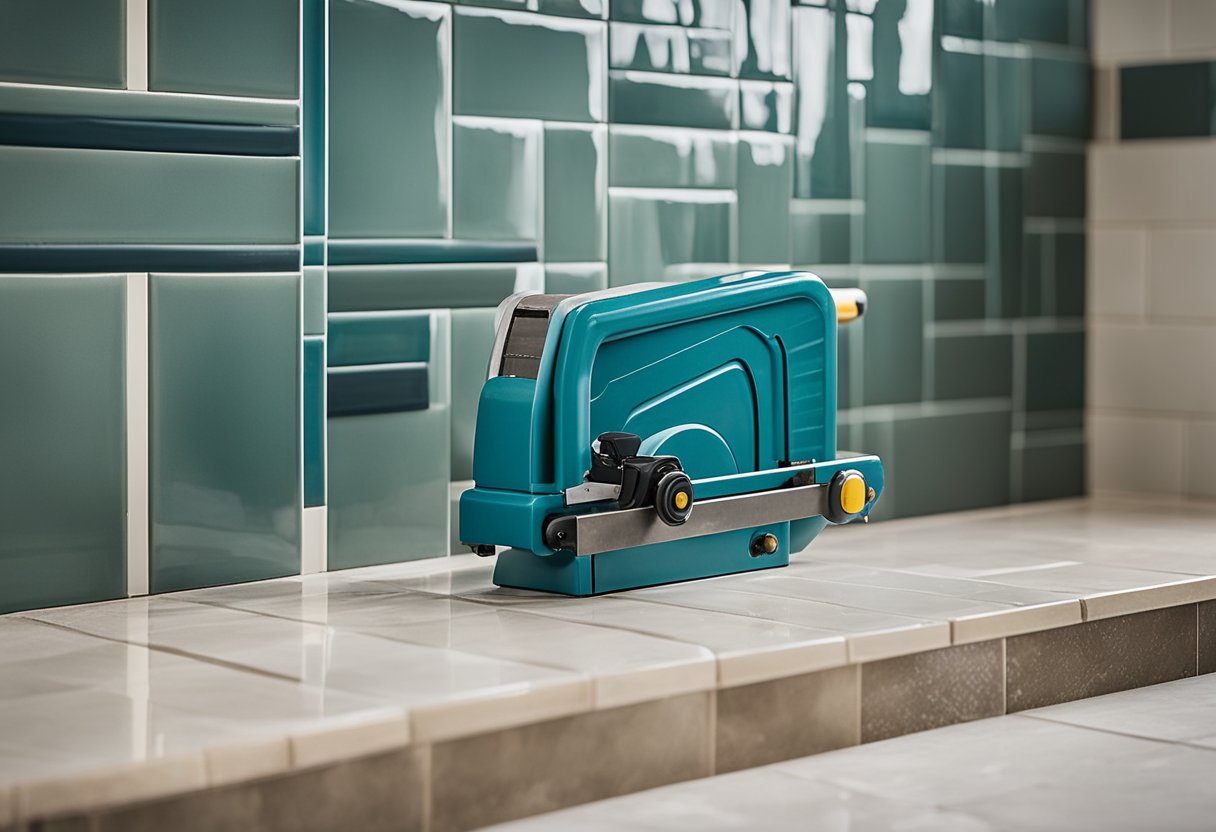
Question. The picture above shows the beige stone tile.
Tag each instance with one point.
(1124, 602)
(1163, 181)
(569, 761)
(1173, 712)
(1135, 453)
(344, 738)
(1201, 461)
(1207, 637)
(787, 718)
(1100, 657)
(1193, 26)
(929, 690)
(1130, 28)
(1152, 367)
(111, 785)
(1116, 271)
(1028, 619)
(1179, 275)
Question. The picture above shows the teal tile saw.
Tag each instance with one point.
(662, 432)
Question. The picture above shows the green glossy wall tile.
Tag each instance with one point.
(897, 202)
(1041, 21)
(824, 168)
(357, 338)
(708, 14)
(389, 84)
(1162, 100)
(766, 183)
(81, 101)
(765, 105)
(762, 30)
(961, 18)
(225, 46)
(472, 341)
(972, 366)
(818, 238)
(590, 9)
(893, 329)
(1069, 275)
(365, 288)
(1036, 253)
(1050, 469)
(959, 226)
(680, 101)
(958, 299)
(224, 386)
(496, 178)
(959, 103)
(313, 288)
(1005, 228)
(1055, 185)
(62, 439)
(575, 278)
(668, 236)
(971, 448)
(664, 157)
(314, 421)
(1007, 105)
(1059, 97)
(561, 79)
(670, 49)
(1055, 371)
(898, 95)
(63, 42)
(312, 116)
(576, 193)
(66, 195)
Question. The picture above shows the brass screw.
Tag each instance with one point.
(870, 495)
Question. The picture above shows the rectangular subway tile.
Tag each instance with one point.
(655, 234)
(674, 100)
(60, 42)
(707, 14)
(765, 184)
(972, 366)
(378, 338)
(575, 278)
(1166, 100)
(575, 193)
(666, 157)
(472, 342)
(670, 49)
(313, 403)
(496, 178)
(456, 285)
(766, 106)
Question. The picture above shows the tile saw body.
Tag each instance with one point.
(662, 432)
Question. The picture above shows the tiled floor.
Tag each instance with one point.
(400, 673)
(1136, 760)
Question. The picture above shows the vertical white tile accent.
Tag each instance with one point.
(138, 517)
(137, 44)
(314, 555)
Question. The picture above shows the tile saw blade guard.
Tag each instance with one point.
(662, 432)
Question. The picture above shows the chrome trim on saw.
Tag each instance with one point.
(591, 534)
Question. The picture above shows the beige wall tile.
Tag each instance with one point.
(1182, 272)
(1106, 104)
(1158, 368)
(1116, 271)
(1100, 657)
(1157, 181)
(1201, 459)
(1193, 26)
(1123, 28)
(1135, 453)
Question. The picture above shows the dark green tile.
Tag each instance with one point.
(62, 438)
(1165, 100)
(764, 28)
(312, 115)
(63, 42)
(821, 238)
(972, 366)
(1070, 269)
(967, 448)
(655, 98)
(670, 49)
(1060, 97)
(765, 185)
(958, 114)
(849, 341)
(823, 169)
(1007, 105)
(575, 278)
(1051, 470)
(962, 18)
(651, 237)
(1005, 231)
(958, 299)
(656, 157)
(898, 95)
(314, 421)
(227, 46)
(1037, 250)
(708, 14)
(894, 341)
(590, 9)
(1055, 371)
(960, 210)
(576, 193)
(1055, 185)
(1040, 21)
(367, 288)
(562, 78)
(897, 218)
(496, 178)
(472, 341)
(766, 105)
(389, 129)
(378, 338)
(225, 428)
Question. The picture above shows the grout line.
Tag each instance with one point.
(137, 45)
(138, 549)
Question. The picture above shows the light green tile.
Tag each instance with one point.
(66, 195)
(62, 440)
(819, 238)
(389, 131)
(591, 9)
(967, 448)
(224, 387)
(763, 28)
(225, 46)
(766, 106)
(1060, 95)
(66, 101)
(63, 42)
(669, 236)
(958, 299)
(893, 330)
(576, 193)
(314, 300)
(670, 49)
(1051, 469)
(973, 366)
(959, 214)
(562, 77)
(668, 157)
(496, 169)
(676, 100)
(575, 278)
(897, 202)
(1006, 106)
(958, 119)
(359, 338)
(472, 341)
(766, 183)
(824, 167)
(460, 285)
(388, 487)
(709, 14)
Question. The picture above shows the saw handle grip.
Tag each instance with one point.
(850, 304)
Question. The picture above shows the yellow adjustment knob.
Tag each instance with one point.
(681, 500)
(853, 495)
(769, 543)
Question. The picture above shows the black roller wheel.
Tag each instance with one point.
(673, 498)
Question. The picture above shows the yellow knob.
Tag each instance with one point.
(769, 543)
(681, 500)
(853, 495)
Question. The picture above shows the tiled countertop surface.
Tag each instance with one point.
(1140, 759)
(135, 699)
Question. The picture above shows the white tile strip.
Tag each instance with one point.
(314, 556)
(138, 517)
(137, 45)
